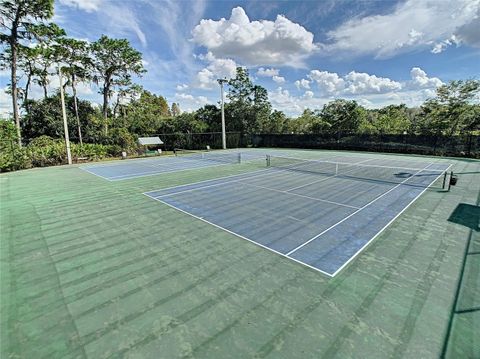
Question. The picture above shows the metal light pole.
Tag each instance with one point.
(64, 114)
(224, 135)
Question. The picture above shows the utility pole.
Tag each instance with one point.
(64, 114)
(224, 135)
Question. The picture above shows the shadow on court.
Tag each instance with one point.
(467, 215)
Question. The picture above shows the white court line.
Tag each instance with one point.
(92, 173)
(353, 164)
(267, 171)
(246, 175)
(300, 195)
(390, 222)
(287, 255)
(211, 180)
(154, 173)
(240, 236)
(361, 208)
(146, 174)
(323, 179)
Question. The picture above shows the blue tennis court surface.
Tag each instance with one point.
(318, 213)
(154, 166)
(136, 168)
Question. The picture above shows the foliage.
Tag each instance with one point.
(343, 115)
(147, 114)
(130, 111)
(453, 109)
(12, 156)
(18, 20)
(212, 117)
(175, 110)
(75, 54)
(46, 151)
(45, 117)
(392, 119)
(114, 62)
(248, 104)
(189, 123)
(123, 139)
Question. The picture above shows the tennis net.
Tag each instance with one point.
(423, 177)
(210, 156)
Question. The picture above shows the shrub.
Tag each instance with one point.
(94, 151)
(12, 156)
(46, 151)
(123, 139)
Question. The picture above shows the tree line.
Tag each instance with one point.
(35, 46)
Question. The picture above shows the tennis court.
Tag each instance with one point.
(184, 160)
(320, 213)
(93, 268)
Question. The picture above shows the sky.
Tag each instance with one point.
(305, 53)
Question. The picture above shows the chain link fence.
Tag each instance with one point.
(199, 141)
(467, 145)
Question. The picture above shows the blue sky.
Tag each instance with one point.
(305, 53)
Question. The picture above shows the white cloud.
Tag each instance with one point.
(308, 95)
(421, 80)
(267, 72)
(217, 68)
(118, 17)
(327, 82)
(442, 45)
(303, 83)
(361, 83)
(368, 90)
(365, 103)
(273, 73)
(278, 79)
(181, 87)
(172, 17)
(282, 100)
(261, 42)
(86, 5)
(412, 25)
(189, 102)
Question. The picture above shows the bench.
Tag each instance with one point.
(81, 159)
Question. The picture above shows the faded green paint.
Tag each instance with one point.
(91, 268)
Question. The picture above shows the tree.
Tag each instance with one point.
(261, 108)
(392, 119)
(148, 114)
(28, 63)
(43, 117)
(240, 105)
(310, 122)
(276, 122)
(18, 18)
(114, 61)
(75, 56)
(453, 107)
(343, 115)
(211, 115)
(175, 109)
(249, 103)
(47, 36)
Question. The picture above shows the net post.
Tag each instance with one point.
(268, 161)
(444, 179)
(450, 181)
(239, 157)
